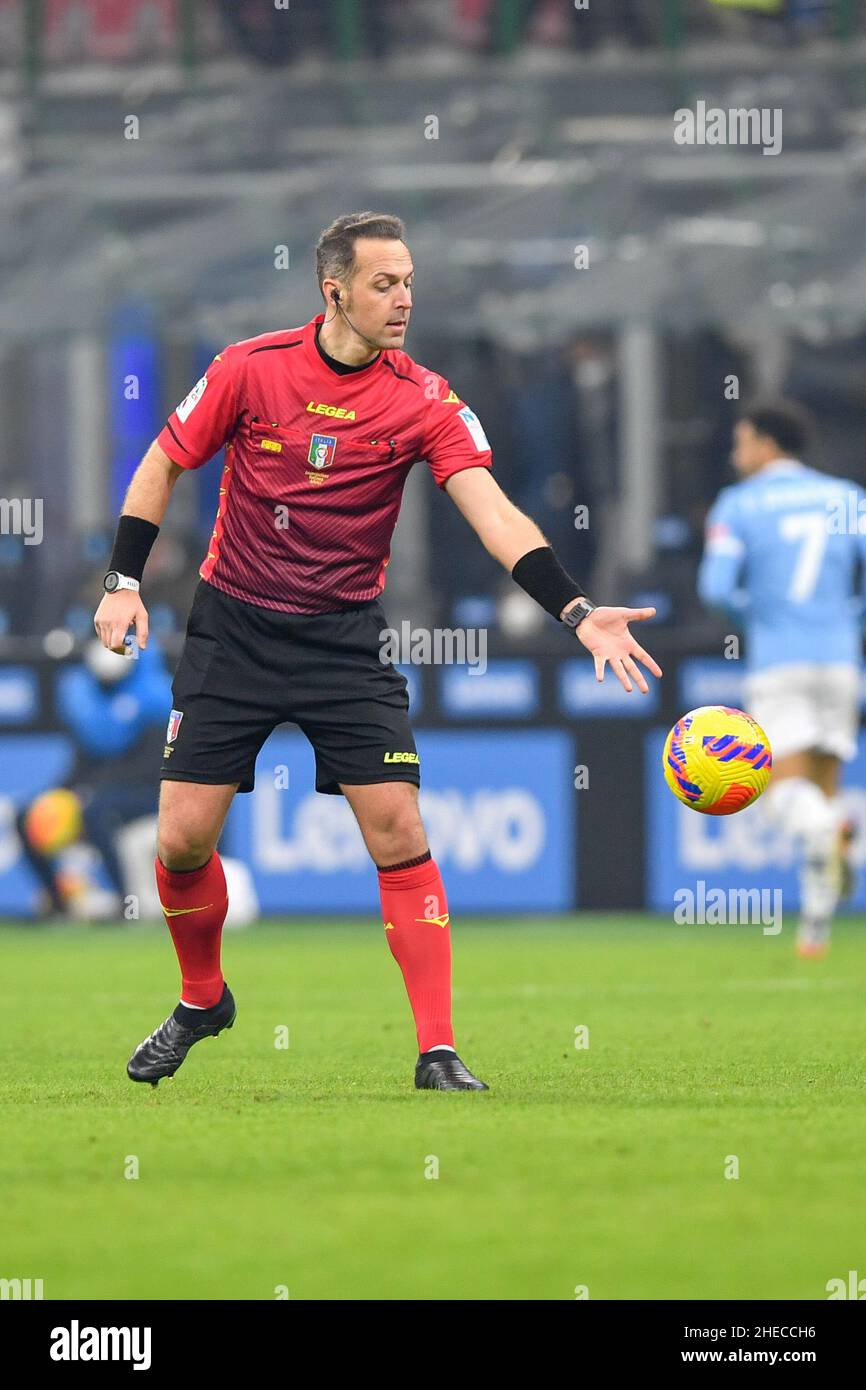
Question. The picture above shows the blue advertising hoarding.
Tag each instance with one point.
(503, 689)
(582, 694)
(684, 847)
(499, 811)
(710, 680)
(713, 680)
(19, 695)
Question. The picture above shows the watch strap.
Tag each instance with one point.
(577, 612)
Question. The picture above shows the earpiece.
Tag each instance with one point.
(335, 300)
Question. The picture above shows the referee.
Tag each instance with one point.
(321, 425)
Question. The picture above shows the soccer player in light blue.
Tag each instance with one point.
(782, 558)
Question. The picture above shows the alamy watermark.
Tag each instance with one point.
(712, 125)
(21, 1289)
(77, 1343)
(438, 646)
(853, 1287)
(846, 513)
(22, 516)
(729, 907)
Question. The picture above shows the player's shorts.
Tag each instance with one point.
(807, 705)
(245, 669)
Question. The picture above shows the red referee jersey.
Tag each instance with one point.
(316, 460)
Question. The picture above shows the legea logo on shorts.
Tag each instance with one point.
(400, 758)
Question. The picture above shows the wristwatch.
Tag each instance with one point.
(114, 581)
(577, 612)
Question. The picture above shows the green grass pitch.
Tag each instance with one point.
(304, 1168)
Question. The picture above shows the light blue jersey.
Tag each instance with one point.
(781, 560)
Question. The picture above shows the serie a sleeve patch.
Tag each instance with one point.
(475, 428)
(190, 401)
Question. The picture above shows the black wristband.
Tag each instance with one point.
(132, 545)
(542, 576)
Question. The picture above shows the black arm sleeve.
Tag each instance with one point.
(542, 576)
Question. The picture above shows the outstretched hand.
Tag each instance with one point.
(604, 633)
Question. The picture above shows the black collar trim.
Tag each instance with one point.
(341, 368)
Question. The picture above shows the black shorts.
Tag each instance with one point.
(245, 669)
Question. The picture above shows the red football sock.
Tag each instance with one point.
(195, 903)
(417, 928)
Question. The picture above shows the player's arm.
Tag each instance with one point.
(144, 507)
(151, 487)
(518, 544)
(720, 570)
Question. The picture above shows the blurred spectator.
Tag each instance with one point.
(794, 19)
(264, 32)
(115, 708)
(106, 30)
(552, 22)
(767, 7)
(276, 35)
(626, 20)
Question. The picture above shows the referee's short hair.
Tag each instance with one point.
(335, 249)
(785, 422)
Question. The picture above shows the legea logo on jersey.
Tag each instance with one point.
(339, 412)
(321, 456)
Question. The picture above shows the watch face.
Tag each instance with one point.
(576, 615)
(110, 582)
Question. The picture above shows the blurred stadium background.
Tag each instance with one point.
(590, 287)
